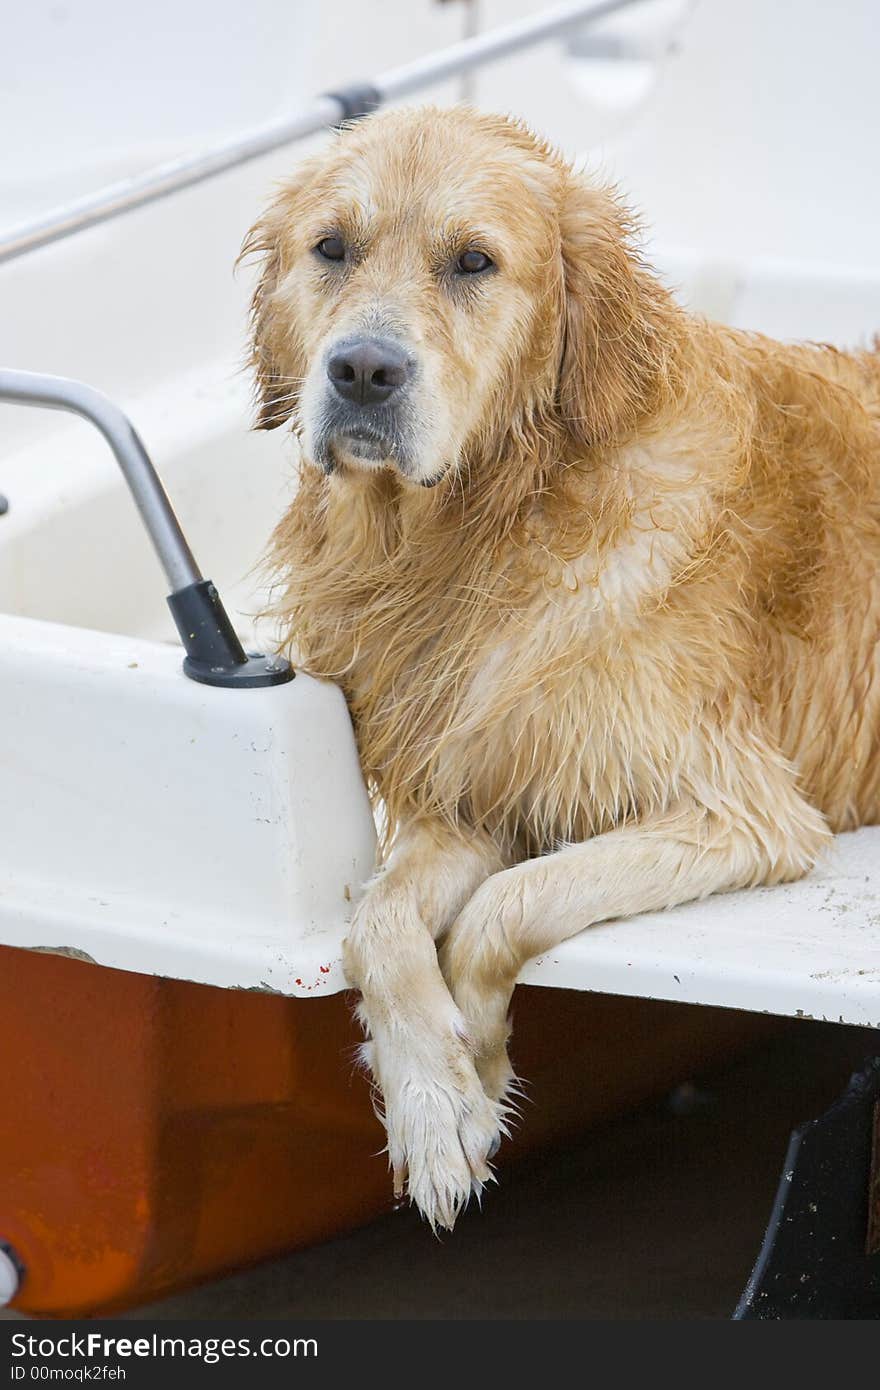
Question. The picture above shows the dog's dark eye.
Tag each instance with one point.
(472, 262)
(332, 248)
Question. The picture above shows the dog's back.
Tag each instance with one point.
(812, 518)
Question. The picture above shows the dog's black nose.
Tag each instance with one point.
(367, 371)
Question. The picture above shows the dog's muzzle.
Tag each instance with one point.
(365, 411)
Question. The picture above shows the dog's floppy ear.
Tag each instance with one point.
(271, 355)
(618, 322)
(263, 241)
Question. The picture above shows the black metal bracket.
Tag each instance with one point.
(356, 101)
(214, 655)
(820, 1257)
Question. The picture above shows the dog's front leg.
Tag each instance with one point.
(441, 1127)
(526, 910)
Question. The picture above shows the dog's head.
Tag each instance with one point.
(435, 279)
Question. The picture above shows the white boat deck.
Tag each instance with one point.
(156, 825)
(807, 950)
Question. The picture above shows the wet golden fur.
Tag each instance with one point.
(622, 653)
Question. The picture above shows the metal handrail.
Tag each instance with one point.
(214, 655)
(327, 110)
(151, 499)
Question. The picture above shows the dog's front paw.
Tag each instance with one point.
(445, 1143)
(480, 969)
(442, 1129)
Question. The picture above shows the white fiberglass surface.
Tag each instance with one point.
(152, 823)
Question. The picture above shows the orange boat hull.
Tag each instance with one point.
(155, 1133)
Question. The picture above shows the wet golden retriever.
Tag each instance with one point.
(601, 581)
